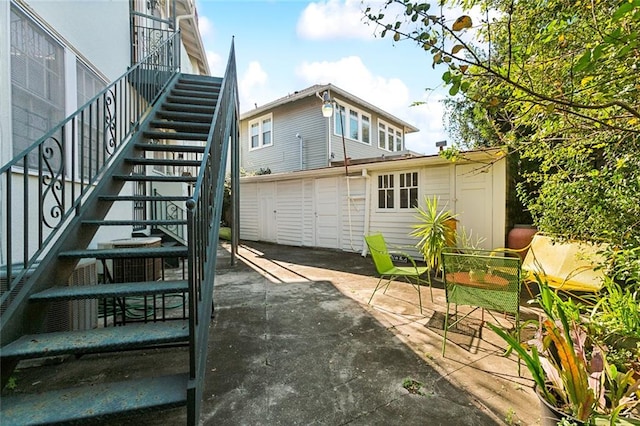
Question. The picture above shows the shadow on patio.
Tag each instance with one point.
(294, 342)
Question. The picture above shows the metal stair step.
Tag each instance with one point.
(98, 339)
(185, 116)
(205, 86)
(127, 252)
(163, 162)
(135, 222)
(79, 404)
(151, 178)
(173, 198)
(201, 109)
(181, 126)
(110, 290)
(183, 136)
(202, 92)
(170, 148)
(190, 100)
(204, 79)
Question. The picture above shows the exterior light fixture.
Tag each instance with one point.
(327, 112)
(327, 106)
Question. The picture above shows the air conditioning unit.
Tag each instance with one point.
(136, 270)
(76, 314)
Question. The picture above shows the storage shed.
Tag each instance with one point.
(328, 208)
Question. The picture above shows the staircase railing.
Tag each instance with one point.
(44, 186)
(204, 210)
(169, 211)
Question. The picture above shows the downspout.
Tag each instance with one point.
(301, 150)
(367, 207)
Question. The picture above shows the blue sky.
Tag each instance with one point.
(285, 46)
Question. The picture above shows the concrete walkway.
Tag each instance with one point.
(294, 342)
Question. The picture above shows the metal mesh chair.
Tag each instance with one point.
(387, 270)
(484, 280)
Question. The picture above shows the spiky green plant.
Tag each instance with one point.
(433, 231)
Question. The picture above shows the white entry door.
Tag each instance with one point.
(327, 214)
(474, 201)
(267, 213)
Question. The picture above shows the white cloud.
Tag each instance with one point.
(352, 75)
(216, 63)
(333, 19)
(254, 88)
(205, 26)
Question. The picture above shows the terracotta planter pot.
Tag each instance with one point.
(520, 237)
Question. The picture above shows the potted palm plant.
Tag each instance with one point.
(434, 231)
(572, 377)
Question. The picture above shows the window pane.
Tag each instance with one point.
(266, 132)
(366, 127)
(37, 82)
(381, 199)
(353, 125)
(382, 136)
(404, 198)
(266, 138)
(390, 141)
(255, 135)
(339, 119)
(398, 141)
(413, 197)
(389, 198)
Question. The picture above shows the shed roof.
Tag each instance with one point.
(333, 92)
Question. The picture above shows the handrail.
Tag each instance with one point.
(169, 211)
(45, 185)
(204, 210)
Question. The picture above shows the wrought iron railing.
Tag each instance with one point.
(204, 210)
(172, 214)
(44, 186)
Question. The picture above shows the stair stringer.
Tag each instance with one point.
(21, 317)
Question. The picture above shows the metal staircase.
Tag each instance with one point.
(153, 117)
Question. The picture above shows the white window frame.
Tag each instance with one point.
(261, 132)
(393, 185)
(396, 143)
(346, 122)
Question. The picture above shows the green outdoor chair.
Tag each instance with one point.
(484, 280)
(389, 271)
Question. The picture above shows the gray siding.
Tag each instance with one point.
(304, 118)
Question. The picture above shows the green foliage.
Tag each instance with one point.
(569, 366)
(558, 85)
(432, 230)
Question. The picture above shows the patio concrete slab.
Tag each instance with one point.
(294, 342)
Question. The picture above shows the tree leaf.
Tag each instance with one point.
(456, 49)
(462, 22)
